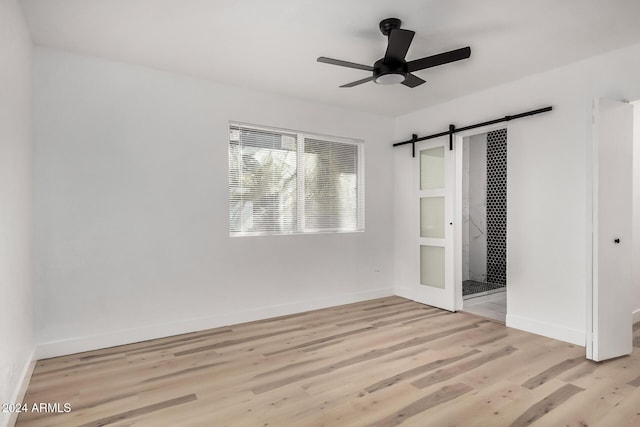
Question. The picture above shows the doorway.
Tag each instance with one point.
(484, 224)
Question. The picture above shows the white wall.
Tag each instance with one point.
(131, 209)
(547, 184)
(16, 289)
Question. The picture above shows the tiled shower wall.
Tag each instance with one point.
(497, 206)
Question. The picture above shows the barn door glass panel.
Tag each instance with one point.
(432, 229)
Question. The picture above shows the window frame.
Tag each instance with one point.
(301, 136)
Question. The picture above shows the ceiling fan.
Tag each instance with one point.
(393, 68)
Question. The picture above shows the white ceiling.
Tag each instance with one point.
(272, 45)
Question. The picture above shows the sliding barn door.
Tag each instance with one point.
(611, 320)
(434, 186)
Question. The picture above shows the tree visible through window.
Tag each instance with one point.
(283, 182)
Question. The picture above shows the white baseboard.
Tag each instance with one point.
(110, 339)
(404, 292)
(549, 330)
(636, 315)
(21, 390)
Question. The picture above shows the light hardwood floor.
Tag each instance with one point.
(383, 362)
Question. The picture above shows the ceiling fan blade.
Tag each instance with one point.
(412, 81)
(399, 42)
(358, 82)
(439, 59)
(344, 63)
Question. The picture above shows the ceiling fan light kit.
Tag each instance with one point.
(393, 67)
(389, 79)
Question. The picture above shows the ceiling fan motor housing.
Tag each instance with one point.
(381, 68)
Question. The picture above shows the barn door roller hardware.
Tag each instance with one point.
(452, 129)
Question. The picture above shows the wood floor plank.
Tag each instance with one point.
(582, 370)
(390, 313)
(387, 361)
(489, 340)
(436, 398)
(229, 343)
(140, 411)
(600, 402)
(635, 382)
(392, 304)
(406, 319)
(553, 372)
(418, 370)
(482, 407)
(546, 405)
(372, 354)
(461, 368)
(322, 340)
(626, 414)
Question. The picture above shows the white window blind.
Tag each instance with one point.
(285, 182)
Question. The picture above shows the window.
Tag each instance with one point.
(286, 182)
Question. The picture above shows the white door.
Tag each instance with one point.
(610, 321)
(434, 184)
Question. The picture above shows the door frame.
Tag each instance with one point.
(458, 203)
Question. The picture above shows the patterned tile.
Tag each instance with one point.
(497, 206)
(470, 287)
